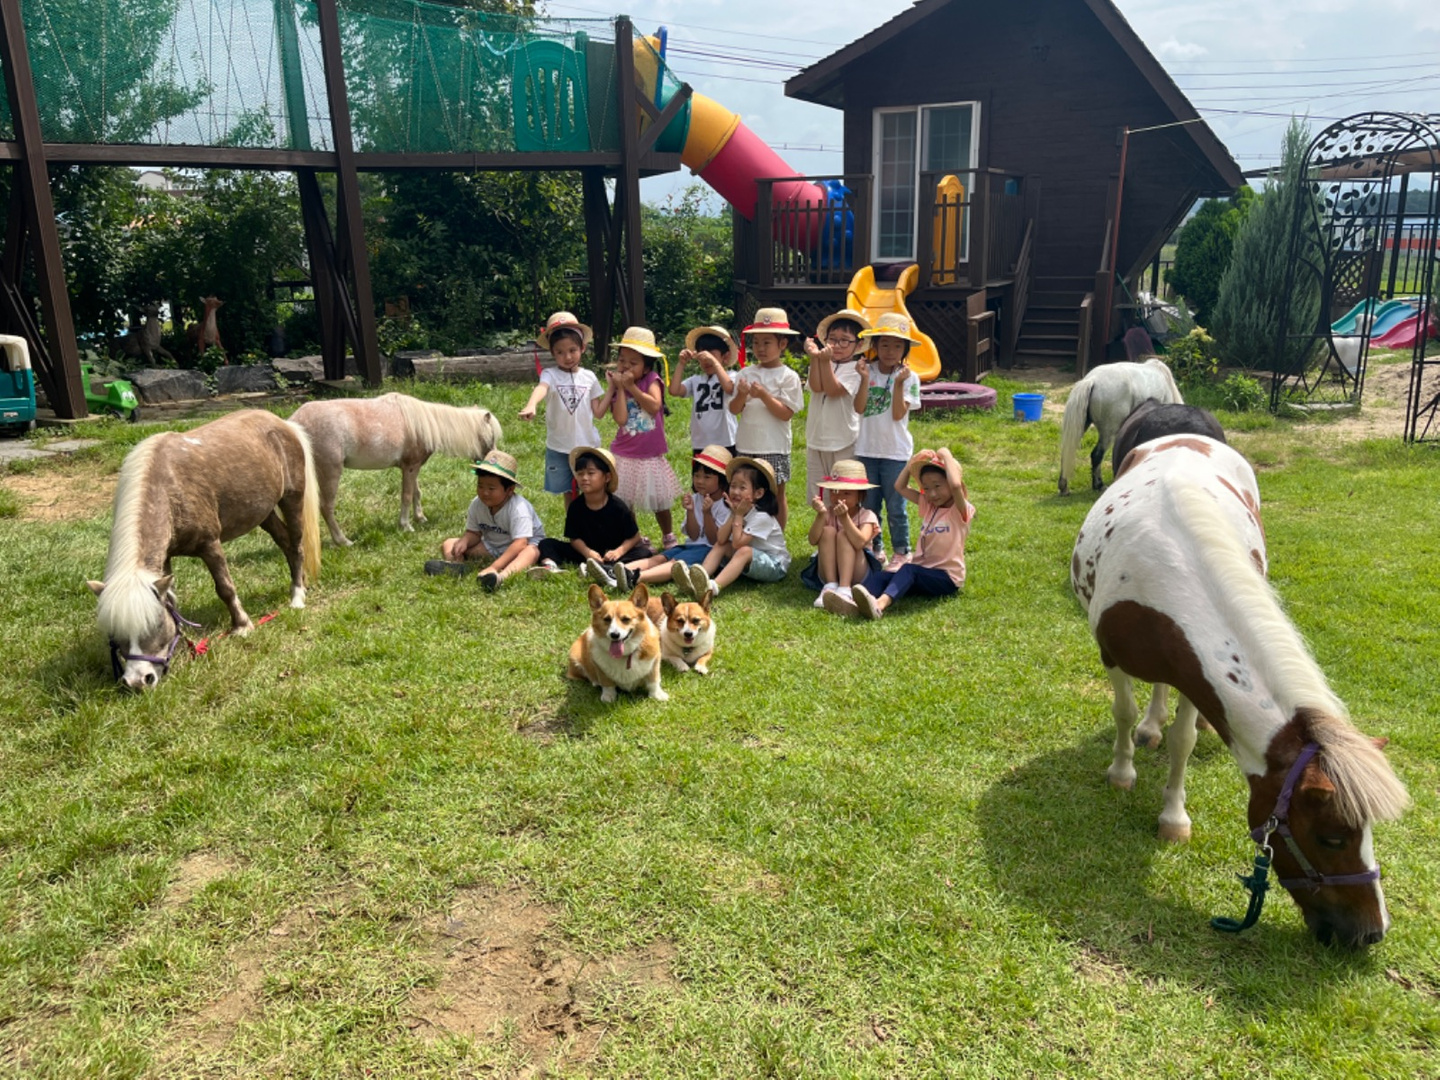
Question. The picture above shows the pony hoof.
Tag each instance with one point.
(243, 630)
(1175, 834)
(297, 599)
(1146, 739)
(405, 526)
(344, 541)
(1124, 783)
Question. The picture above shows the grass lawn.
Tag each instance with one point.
(383, 837)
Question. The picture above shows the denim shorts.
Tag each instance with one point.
(559, 480)
(689, 554)
(764, 567)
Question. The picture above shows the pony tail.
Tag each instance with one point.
(1072, 429)
(310, 510)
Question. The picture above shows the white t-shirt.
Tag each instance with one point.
(833, 423)
(569, 418)
(711, 421)
(759, 432)
(766, 535)
(515, 518)
(720, 511)
(881, 435)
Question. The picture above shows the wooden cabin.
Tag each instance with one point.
(985, 143)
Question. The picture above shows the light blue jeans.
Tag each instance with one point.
(558, 477)
(884, 472)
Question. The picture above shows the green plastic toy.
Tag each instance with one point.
(118, 399)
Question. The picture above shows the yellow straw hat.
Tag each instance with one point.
(498, 463)
(770, 320)
(612, 478)
(716, 458)
(847, 476)
(849, 314)
(641, 339)
(731, 349)
(764, 467)
(891, 324)
(563, 320)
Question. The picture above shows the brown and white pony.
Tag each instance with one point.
(184, 493)
(385, 432)
(1170, 566)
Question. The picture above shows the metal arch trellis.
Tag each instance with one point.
(1349, 217)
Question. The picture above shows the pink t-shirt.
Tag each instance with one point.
(642, 435)
(942, 537)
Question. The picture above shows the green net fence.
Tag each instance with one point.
(421, 77)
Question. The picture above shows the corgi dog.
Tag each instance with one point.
(687, 633)
(621, 648)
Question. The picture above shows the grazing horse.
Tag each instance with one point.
(184, 493)
(1170, 567)
(1105, 398)
(389, 431)
(1151, 420)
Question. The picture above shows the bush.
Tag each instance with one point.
(1204, 248)
(689, 265)
(1241, 393)
(1193, 359)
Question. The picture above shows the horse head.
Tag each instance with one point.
(142, 620)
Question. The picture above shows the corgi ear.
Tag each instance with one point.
(669, 603)
(640, 597)
(704, 601)
(597, 598)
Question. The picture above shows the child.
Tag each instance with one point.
(833, 421)
(752, 543)
(711, 422)
(636, 395)
(570, 419)
(500, 525)
(841, 532)
(600, 528)
(938, 568)
(705, 515)
(887, 394)
(767, 395)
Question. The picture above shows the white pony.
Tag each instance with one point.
(1105, 398)
(385, 432)
(1170, 568)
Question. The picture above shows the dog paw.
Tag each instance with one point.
(677, 664)
(607, 694)
(700, 669)
(659, 694)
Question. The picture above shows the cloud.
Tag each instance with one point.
(1174, 50)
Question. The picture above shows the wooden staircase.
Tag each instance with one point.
(1050, 333)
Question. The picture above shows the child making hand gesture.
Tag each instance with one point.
(767, 395)
(636, 397)
(706, 514)
(711, 421)
(752, 542)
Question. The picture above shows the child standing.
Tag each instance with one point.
(833, 421)
(706, 514)
(599, 527)
(501, 526)
(767, 395)
(711, 422)
(636, 396)
(938, 568)
(842, 531)
(887, 395)
(570, 418)
(753, 542)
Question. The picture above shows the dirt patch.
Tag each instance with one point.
(71, 491)
(504, 975)
(195, 872)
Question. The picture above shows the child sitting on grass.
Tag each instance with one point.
(599, 527)
(570, 417)
(888, 394)
(841, 532)
(938, 566)
(833, 420)
(705, 515)
(501, 526)
(752, 543)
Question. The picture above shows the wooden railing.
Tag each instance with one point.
(1093, 344)
(804, 243)
(974, 238)
(1082, 350)
(1020, 294)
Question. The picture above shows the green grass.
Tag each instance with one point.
(867, 849)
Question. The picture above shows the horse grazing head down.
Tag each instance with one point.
(141, 618)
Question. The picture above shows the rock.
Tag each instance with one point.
(298, 369)
(245, 379)
(510, 366)
(158, 385)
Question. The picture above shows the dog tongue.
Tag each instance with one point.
(615, 649)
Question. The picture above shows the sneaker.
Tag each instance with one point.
(839, 602)
(625, 578)
(899, 559)
(542, 570)
(700, 582)
(596, 572)
(680, 575)
(865, 603)
(489, 580)
(830, 586)
(670, 541)
(439, 567)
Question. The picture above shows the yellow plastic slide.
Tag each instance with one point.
(872, 301)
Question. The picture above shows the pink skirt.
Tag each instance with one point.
(647, 483)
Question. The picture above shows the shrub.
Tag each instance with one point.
(1241, 393)
(1193, 359)
(1204, 248)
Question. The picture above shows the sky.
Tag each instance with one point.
(1246, 65)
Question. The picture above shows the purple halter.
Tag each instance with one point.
(1279, 822)
(119, 657)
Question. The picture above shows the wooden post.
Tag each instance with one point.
(597, 228)
(980, 238)
(627, 190)
(56, 359)
(765, 233)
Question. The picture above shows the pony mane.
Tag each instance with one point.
(456, 432)
(1366, 787)
(128, 606)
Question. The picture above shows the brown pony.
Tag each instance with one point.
(184, 493)
(385, 432)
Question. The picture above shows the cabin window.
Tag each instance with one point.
(914, 149)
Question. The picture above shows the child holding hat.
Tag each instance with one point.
(767, 395)
(636, 396)
(833, 421)
(753, 541)
(705, 515)
(842, 531)
(570, 417)
(501, 526)
(711, 422)
(888, 394)
(599, 527)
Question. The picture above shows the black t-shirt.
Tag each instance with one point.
(602, 529)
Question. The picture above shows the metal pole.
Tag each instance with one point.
(1115, 237)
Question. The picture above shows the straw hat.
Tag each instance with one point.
(770, 320)
(848, 313)
(731, 349)
(641, 339)
(563, 320)
(891, 324)
(498, 463)
(714, 457)
(764, 467)
(847, 476)
(612, 479)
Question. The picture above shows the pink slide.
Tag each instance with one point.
(1402, 335)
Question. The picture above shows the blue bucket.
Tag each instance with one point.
(1028, 406)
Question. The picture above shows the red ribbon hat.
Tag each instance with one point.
(768, 320)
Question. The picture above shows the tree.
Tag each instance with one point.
(1251, 296)
(1203, 250)
(689, 263)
